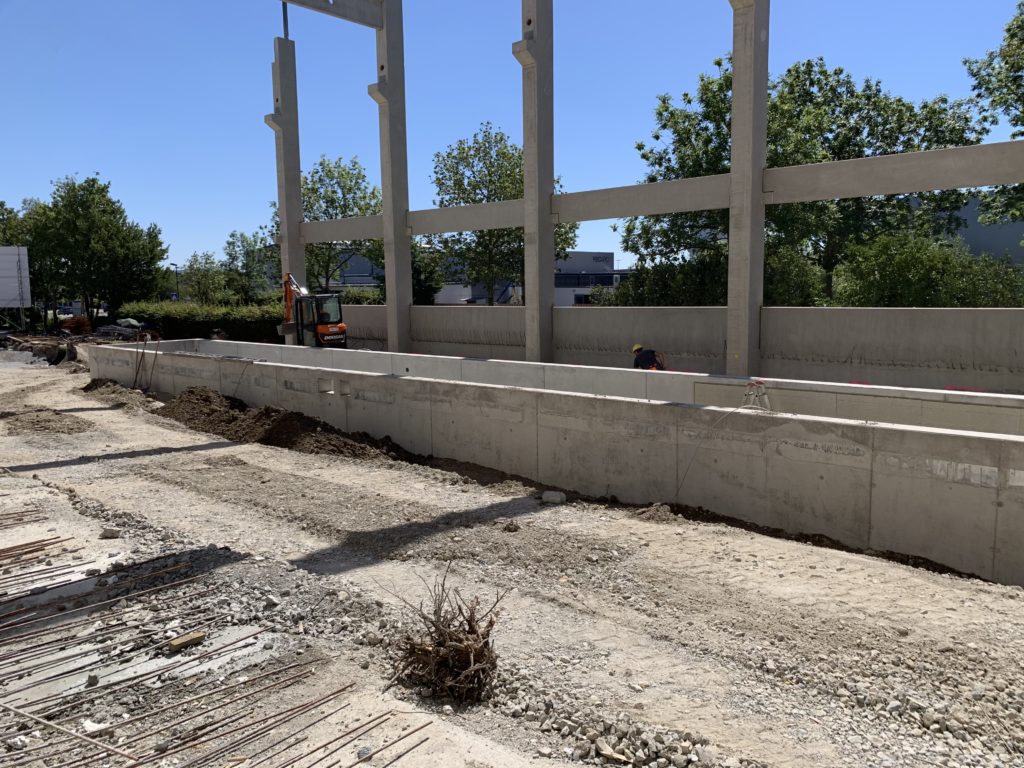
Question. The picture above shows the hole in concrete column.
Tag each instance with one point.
(529, 22)
(381, 67)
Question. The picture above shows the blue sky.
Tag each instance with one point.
(166, 99)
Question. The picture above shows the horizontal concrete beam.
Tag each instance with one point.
(467, 218)
(977, 166)
(366, 12)
(337, 230)
(698, 194)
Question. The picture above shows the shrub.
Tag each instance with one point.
(186, 320)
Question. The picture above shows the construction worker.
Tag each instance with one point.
(647, 359)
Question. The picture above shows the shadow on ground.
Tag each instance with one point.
(360, 549)
(115, 455)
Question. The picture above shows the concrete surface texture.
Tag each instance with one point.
(944, 409)
(952, 497)
(933, 348)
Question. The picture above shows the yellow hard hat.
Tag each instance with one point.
(637, 348)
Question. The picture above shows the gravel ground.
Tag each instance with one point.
(629, 637)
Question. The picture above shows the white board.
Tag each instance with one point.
(14, 285)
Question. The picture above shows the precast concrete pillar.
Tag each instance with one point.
(389, 93)
(535, 53)
(284, 120)
(746, 202)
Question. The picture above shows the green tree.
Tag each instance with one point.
(486, 168)
(45, 267)
(204, 280)
(252, 265)
(10, 225)
(790, 278)
(912, 270)
(133, 270)
(428, 273)
(815, 114)
(101, 254)
(999, 83)
(335, 189)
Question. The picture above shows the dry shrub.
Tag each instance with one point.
(454, 657)
(78, 325)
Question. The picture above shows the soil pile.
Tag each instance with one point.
(43, 420)
(111, 392)
(203, 409)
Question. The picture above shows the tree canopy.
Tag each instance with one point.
(999, 83)
(335, 189)
(911, 270)
(81, 243)
(815, 114)
(486, 168)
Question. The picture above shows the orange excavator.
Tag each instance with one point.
(315, 320)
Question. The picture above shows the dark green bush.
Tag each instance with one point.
(185, 320)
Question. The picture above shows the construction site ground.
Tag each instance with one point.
(625, 630)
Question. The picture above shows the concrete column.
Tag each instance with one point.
(746, 204)
(535, 53)
(389, 93)
(285, 122)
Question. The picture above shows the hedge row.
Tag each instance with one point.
(185, 320)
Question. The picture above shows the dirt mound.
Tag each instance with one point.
(43, 420)
(205, 410)
(111, 392)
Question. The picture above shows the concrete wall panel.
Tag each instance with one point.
(1009, 552)
(819, 478)
(607, 447)
(361, 360)
(879, 408)
(508, 373)
(935, 495)
(193, 371)
(933, 347)
(611, 382)
(719, 393)
(427, 366)
(385, 406)
(671, 387)
(493, 427)
(691, 338)
(723, 464)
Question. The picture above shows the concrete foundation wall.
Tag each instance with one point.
(488, 332)
(970, 411)
(952, 497)
(691, 338)
(931, 348)
(900, 347)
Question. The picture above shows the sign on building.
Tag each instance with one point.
(14, 286)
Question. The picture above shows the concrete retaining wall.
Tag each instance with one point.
(971, 411)
(953, 497)
(901, 347)
(935, 348)
(693, 338)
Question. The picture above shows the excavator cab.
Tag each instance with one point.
(316, 320)
(319, 321)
